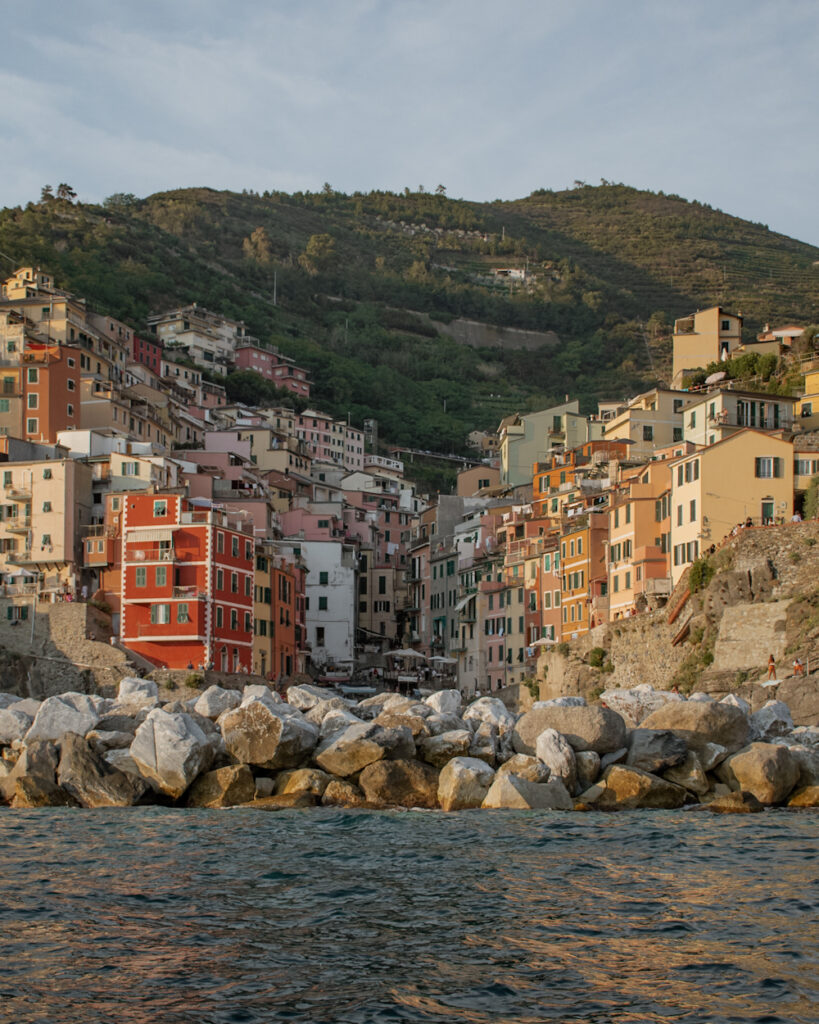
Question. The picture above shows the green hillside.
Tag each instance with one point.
(607, 269)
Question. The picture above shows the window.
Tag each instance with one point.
(320, 636)
(160, 508)
(234, 546)
(725, 325)
(182, 613)
(247, 622)
(692, 510)
(679, 515)
(324, 578)
(161, 575)
(46, 506)
(692, 420)
(32, 400)
(220, 615)
(234, 583)
(160, 614)
(247, 586)
(767, 467)
(46, 474)
(322, 604)
(4, 405)
(677, 434)
(33, 375)
(323, 524)
(220, 542)
(69, 410)
(8, 385)
(627, 583)
(220, 580)
(46, 540)
(234, 618)
(382, 584)
(628, 513)
(70, 384)
(648, 433)
(248, 551)
(141, 576)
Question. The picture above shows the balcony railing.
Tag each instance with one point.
(18, 524)
(149, 554)
(19, 493)
(188, 594)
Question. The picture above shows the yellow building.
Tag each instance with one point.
(746, 477)
(714, 415)
(707, 336)
(649, 421)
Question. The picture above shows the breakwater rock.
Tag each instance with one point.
(637, 748)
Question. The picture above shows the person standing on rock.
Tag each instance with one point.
(772, 668)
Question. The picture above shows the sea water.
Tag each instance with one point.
(163, 915)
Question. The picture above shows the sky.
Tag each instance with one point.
(716, 101)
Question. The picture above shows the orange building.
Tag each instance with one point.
(584, 586)
(41, 395)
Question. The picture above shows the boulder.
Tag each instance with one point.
(106, 739)
(624, 788)
(120, 758)
(561, 702)
(484, 744)
(735, 803)
(307, 696)
(557, 754)
(265, 785)
(91, 781)
(615, 757)
(7, 699)
(14, 725)
(801, 694)
(588, 768)
(637, 702)
(341, 793)
(702, 722)
(766, 770)
(215, 700)
(445, 702)
(319, 711)
(37, 762)
(170, 750)
(398, 704)
(710, 755)
(439, 723)
(284, 801)
(807, 761)
(264, 734)
(29, 706)
(737, 702)
(492, 710)
(397, 741)
(59, 715)
(122, 723)
(403, 783)
(689, 774)
(586, 728)
(513, 792)
(224, 787)
(336, 720)
(135, 691)
(654, 750)
(437, 750)
(808, 796)
(303, 780)
(260, 691)
(347, 752)
(525, 767)
(701, 698)
(807, 735)
(36, 791)
(772, 720)
(464, 783)
(370, 707)
(415, 723)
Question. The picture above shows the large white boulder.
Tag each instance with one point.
(445, 701)
(637, 702)
(216, 700)
(464, 783)
(561, 702)
(437, 750)
(513, 792)
(14, 725)
(737, 702)
(267, 734)
(337, 719)
(133, 690)
(557, 754)
(170, 750)
(347, 752)
(773, 719)
(492, 710)
(7, 699)
(59, 715)
(307, 696)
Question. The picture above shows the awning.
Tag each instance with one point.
(138, 534)
(463, 602)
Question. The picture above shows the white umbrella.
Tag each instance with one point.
(443, 660)
(544, 642)
(408, 653)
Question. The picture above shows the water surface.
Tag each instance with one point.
(162, 915)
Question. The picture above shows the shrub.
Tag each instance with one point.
(608, 667)
(596, 657)
(700, 575)
(193, 679)
(794, 557)
(563, 648)
(102, 606)
(596, 693)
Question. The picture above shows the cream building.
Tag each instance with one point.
(714, 415)
(707, 336)
(649, 421)
(749, 475)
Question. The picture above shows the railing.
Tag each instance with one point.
(724, 419)
(149, 554)
(100, 530)
(19, 493)
(188, 594)
(19, 589)
(18, 523)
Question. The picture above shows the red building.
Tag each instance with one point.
(186, 583)
(272, 366)
(148, 351)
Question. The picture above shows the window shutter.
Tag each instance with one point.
(757, 467)
(778, 467)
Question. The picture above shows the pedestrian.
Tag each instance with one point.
(772, 668)
(84, 592)
(798, 667)
(796, 518)
(748, 522)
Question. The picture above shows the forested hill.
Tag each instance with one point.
(371, 290)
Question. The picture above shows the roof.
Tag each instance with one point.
(767, 434)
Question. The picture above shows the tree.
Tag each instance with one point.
(257, 246)
(120, 201)
(66, 192)
(46, 194)
(440, 190)
(319, 254)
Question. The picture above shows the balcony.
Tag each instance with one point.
(188, 594)
(19, 493)
(18, 524)
(146, 554)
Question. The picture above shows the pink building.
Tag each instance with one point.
(272, 366)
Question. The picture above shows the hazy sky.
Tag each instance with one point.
(715, 100)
